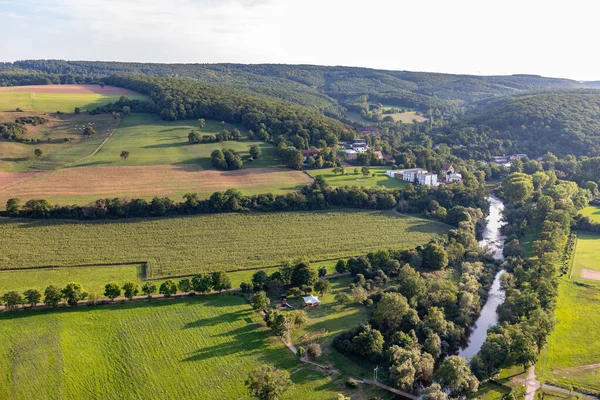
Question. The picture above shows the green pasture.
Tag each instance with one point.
(202, 348)
(574, 345)
(19, 157)
(53, 102)
(351, 179)
(592, 211)
(187, 245)
(152, 141)
(587, 253)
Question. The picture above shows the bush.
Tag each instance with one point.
(314, 350)
(300, 351)
(351, 383)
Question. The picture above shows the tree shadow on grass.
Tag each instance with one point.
(251, 341)
(166, 145)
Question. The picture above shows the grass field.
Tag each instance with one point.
(188, 348)
(587, 254)
(53, 102)
(572, 355)
(17, 157)
(350, 179)
(83, 185)
(186, 245)
(152, 141)
(592, 211)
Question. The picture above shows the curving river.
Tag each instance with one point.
(493, 239)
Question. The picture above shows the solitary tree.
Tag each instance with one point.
(303, 274)
(365, 171)
(124, 155)
(38, 153)
(112, 291)
(11, 300)
(148, 288)
(32, 297)
(89, 131)
(52, 296)
(342, 298)
(255, 151)
(260, 300)
(322, 286)
(77, 110)
(268, 383)
(130, 289)
(322, 272)
(201, 123)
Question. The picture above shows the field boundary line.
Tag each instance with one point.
(101, 265)
(572, 258)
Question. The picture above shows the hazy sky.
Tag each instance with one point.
(551, 38)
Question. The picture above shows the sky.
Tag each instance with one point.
(483, 37)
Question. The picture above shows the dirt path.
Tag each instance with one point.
(531, 384)
(565, 391)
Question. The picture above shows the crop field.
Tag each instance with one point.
(83, 185)
(63, 98)
(592, 211)
(351, 179)
(187, 245)
(573, 351)
(167, 350)
(60, 139)
(152, 141)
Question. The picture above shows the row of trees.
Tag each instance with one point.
(318, 196)
(73, 292)
(194, 136)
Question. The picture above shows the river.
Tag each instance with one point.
(493, 239)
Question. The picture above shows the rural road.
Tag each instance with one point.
(531, 384)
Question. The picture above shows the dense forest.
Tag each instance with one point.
(325, 88)
(562, 122)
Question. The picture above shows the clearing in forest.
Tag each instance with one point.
(83, 185)
(152, 141)
(179, 246)
(592, 211)
(351, 179)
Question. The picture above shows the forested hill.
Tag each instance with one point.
(320, 87)
(562, 122)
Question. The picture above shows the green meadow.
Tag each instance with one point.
(152, 141)
(352, 179)
(161, 349)
(587, 253)
(187, 245)
(573, 350)
(592, 211)
(53, 102)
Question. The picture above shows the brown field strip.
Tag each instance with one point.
(11, 178)
(84, 184)
(68, 89)
(590, 274)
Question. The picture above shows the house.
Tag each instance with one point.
(427, 178)
(379, 155)
(418, 175)
(389, 158)
(370, 131)
(447, 169)
(451, 178)
(309, 153)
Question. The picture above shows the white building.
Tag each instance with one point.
(421, 176)
(454, 178)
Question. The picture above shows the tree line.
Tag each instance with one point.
(454, 205)
(73, 292)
